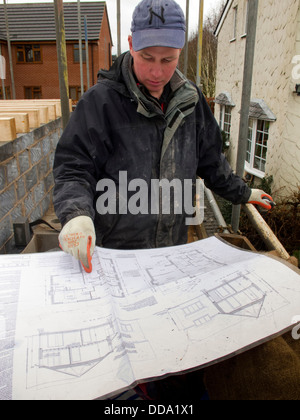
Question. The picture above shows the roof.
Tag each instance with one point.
(36, 21)
(224, 99)
(223, 17)
(260, 110)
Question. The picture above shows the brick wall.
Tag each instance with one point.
(26, 180)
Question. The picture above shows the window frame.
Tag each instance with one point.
(223, 113)
(7, 93)
(78, 92)
(34, 48)
(76, 49)
(234, 23)
(246, 13)
(34, 89)
(256, 142)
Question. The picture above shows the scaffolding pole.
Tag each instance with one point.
(246, 98)
(9, 53)
(119, 26)
(87, 52)
(80, 47)
(62, 61)
(186, 49)
(200, 42)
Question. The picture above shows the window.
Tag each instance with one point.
(75, 93)
(76, 53)
(225, 120)
(29, 54)
(7, 93)
(246, 13)
(33, 92)
(234, 23)
(257, 146)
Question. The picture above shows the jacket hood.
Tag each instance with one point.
(115, 72)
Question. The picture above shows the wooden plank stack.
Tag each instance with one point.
(21, 116)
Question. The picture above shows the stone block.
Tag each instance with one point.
(3, 181)
(39, 192)
(21, 190)
(36, 153)
(31, 178)
(24, 162)
(5, 229)
(29, 204)
(12, 170)
(8, 201)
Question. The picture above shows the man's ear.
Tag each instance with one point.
(130, 43)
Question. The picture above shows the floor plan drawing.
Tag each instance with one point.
(237, 296)
(138, 315)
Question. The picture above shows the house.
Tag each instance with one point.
(273, 147)
(34, 55)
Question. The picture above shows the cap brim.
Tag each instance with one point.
(172, 38)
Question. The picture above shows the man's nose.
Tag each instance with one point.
(156, 71)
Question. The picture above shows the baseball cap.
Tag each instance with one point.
(158, 23)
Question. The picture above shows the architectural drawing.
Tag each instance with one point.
(237, 296)
(138, 315)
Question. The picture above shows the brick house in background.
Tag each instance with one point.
(34, 55)
(273, 147)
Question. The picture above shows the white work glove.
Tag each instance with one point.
(78, 239)
(260, 198)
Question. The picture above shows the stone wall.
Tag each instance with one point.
(26, 180)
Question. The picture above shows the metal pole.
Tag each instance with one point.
(246, 97)
(80, 48)
(2, 79)
(186, 49)
(87, 52)
(9, 53)
(119, 26)
(200, 42)
(216, 210)
(62, 61)
(265, 232)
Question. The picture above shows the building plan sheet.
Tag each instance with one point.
(66, 334)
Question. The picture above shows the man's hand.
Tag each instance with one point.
(78, 239)
(260, 198)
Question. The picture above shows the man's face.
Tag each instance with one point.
(154, 66)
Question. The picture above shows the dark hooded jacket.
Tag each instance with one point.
(117, 128)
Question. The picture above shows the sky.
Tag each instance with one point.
(127, 8)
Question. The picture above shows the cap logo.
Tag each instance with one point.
(161, 17)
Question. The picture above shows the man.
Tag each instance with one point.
(146, 121)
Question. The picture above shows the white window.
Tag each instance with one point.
(257, 147)
(225, 120)
(246, 13)
(234, 23)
